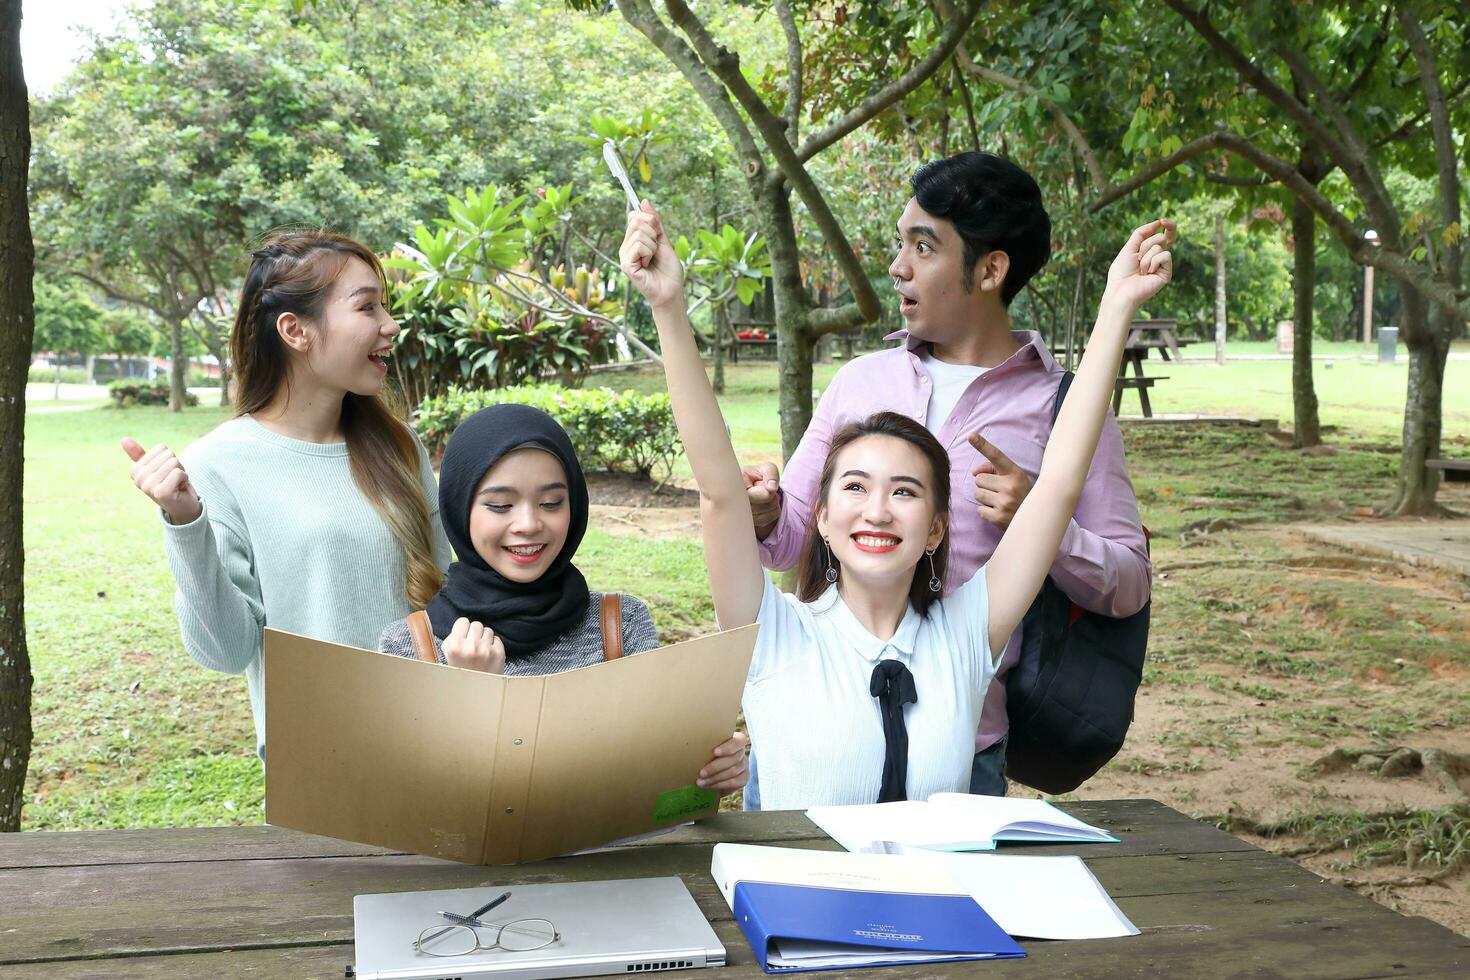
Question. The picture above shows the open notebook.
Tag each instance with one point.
(951, 822)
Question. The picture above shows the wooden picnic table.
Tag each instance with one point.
(265, 902)
(1144, 336)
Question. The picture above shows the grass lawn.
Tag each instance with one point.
(1265, 652)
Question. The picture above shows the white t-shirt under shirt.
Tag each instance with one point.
(947, 382)
(817, 729)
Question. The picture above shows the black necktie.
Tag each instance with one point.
(893, 686)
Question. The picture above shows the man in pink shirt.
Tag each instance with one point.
(971, 236)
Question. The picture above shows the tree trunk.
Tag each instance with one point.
(1428, 351)
(56, 388)
(17, 329)
(1307, 429)
(794, 370)
(177, 375)
(722, 327)
(224, 383)
(793, 331)
(1220, 288)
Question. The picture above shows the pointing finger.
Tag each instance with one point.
(998, 459)
(133, 448)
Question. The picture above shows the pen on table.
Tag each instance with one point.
(473, 915)
(465, 920)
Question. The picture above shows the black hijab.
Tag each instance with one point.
(527, 616)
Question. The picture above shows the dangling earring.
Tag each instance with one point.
(831, 574)
(934, 584)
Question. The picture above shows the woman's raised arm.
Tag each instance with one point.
(1019, 565)
(731, 554)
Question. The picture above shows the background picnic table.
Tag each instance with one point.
(265, 902)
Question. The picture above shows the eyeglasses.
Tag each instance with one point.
(519, 936)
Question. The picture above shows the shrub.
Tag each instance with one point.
(47, 375)
(137, 391)
(202, 379)
(621, 431)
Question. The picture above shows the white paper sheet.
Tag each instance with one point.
(1038, 897)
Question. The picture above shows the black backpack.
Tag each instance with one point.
(1070, 695)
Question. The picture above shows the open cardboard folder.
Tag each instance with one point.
(488, 769)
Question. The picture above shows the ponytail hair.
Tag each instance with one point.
(293, 272)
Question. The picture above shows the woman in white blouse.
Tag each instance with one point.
(866, 686)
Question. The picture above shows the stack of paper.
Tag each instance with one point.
(1038, 897)
(823, 910)
(815, 910)
(951, 822)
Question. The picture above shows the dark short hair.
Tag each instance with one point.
(811, 574)
(993, 204)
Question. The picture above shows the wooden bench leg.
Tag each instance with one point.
(1117, 399)
(1148, 412)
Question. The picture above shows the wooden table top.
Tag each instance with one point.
(264, 902)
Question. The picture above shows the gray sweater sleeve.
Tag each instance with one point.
(218, 599)
(639, 633)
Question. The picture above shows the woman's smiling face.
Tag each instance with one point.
(521, 513)
(879, 516)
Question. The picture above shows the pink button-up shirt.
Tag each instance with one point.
(1103, 562)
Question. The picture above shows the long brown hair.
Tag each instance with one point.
(811, 577)
(294, 272)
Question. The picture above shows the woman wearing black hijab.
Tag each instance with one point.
(514, 506)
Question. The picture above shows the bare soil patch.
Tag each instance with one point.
(627, 490)
(1268, 652)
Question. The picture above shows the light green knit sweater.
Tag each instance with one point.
(288, 541)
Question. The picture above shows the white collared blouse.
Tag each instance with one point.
(815, 727)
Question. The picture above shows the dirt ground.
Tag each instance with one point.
(1268, 652)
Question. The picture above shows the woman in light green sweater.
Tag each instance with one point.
(313, 510)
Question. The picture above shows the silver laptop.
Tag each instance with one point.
(602, 927)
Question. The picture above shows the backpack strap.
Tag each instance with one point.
(1056, 406)
(423, 637)
(612, 625)
(1056, 409)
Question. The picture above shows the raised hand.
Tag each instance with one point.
(160, 475)
(1000, 485)
(474, 646)
(726, 772)
(1144, 266)
(648, 259)
(763, 487)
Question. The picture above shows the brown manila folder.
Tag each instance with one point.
(488, 769)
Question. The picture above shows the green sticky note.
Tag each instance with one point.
(683, 803)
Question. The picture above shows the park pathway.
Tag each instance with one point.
(1442, 545)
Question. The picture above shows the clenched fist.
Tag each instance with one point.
(474, 647)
